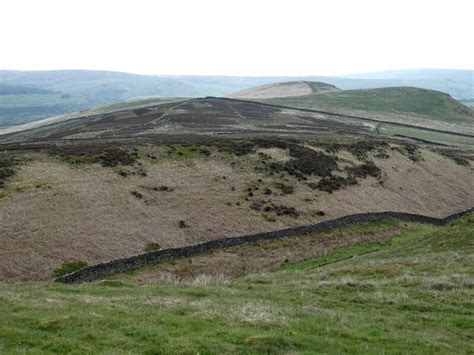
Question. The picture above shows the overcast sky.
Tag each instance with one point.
(244, 37)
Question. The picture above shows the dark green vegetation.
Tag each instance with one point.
(107, 157)
(304, 162)
(413, 294)
(7, 170)
(35, 95)
(152, 247)
(68, 267)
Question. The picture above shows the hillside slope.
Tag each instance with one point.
(413, 294)
(204, 116)
(285, 89)
(97, 200)
(413, 106)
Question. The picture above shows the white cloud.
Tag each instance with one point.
(264, 37)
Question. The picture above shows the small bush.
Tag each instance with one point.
(69, 266)
(361, 149)
(6, 170)
(182, 224)
(364, 170)
(456, 158)
(269, 217)
(152, 247)
(333, 183)
(114, 157)
(162, 188)
(285, 189)
(137, 194)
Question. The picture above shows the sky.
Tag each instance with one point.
(227, 37)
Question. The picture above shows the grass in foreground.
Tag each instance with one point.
(415, 294)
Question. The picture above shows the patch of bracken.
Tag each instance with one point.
(409, 150)
(362, 148)
(364, 170)
(238, 148)
(7, 170)
(109, 157)
(136, 194)
(285, 189)
(279, 210)
(459, 160)
(306, 162)
(333, 183)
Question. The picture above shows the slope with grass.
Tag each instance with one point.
(413, 294)
(405, 105)
(92, 201)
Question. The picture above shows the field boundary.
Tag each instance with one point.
(360, 118)
(101, 270)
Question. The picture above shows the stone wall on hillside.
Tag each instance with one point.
(99, 271)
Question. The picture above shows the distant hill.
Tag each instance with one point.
(457, 83)
(407, 105)
(37, 95)
(285, 89)
(32, 95)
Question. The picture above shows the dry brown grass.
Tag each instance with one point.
(55, 212)
(258, 257)
(274, 90)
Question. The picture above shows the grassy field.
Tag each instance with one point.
(403, 105)
(414, 294)
(389, 129)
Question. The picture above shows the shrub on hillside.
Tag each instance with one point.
(6, 170)
(364, 170)
(69, 266)
(152, 247)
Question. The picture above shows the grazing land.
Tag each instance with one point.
(413, 106)
(412, 292)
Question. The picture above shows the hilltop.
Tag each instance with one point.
(285, 89)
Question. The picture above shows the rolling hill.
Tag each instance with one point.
(27, 96)
(414, 106)
(203, 116)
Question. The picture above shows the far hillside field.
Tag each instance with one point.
(412, 106)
